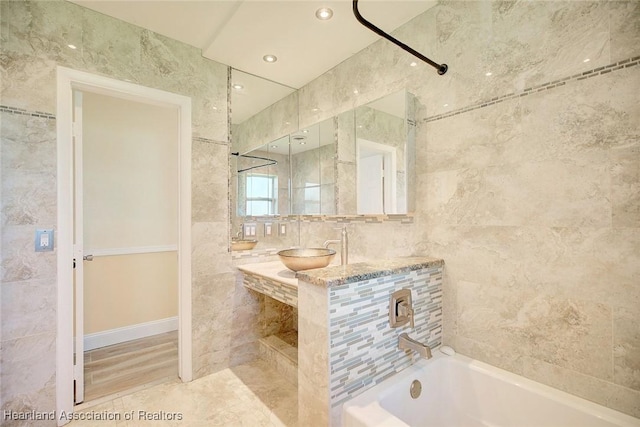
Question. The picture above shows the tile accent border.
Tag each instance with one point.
(254, 254)
(278, 291)
(358, 219)
(209, 141)
(342, 219)
(23, 112)
(631, 62)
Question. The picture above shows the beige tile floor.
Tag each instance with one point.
(252, 395)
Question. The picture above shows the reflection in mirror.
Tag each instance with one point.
(262, 111)
(359, 162)
(313, 172)
(263, 180)
(259, 109)
(384, 153)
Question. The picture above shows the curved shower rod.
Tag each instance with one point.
(442, 68)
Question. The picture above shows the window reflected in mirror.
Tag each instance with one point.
(262, 194)
(263, 180)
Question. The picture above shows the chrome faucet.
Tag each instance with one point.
(344, 246)
(407, 343)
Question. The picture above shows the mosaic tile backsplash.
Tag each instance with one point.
(363, 346)
(276, 290)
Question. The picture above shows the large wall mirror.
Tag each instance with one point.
(384, 154)
(360, 162)
(263, 114)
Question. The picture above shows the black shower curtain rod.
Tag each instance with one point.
(272, 162)
(442, 68)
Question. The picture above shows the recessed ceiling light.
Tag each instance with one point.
(413, 64)
(302, 142)
(314, 109)
(270, 58)
(237, 86)
(355, 91)
(324, 13)
(488, 73)
(586, 60)
(71, 46)
(305, 130)
(445, 105)
(274, 146)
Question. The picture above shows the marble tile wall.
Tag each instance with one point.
(313, 184)
(34, 38)
(367, 239)
(313, 356)
(274, 122)
(527, 183)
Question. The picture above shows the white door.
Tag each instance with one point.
(376, 165)
(78, 252)
(371, 184)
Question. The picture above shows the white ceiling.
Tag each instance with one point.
(239, 33)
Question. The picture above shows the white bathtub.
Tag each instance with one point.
(462, 392)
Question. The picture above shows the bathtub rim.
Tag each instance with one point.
(378, 392)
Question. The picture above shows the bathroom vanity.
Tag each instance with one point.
(345, 343)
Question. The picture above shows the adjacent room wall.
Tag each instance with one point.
(130, 181)
(130, 173)
(128, 290)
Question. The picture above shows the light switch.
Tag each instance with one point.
(250, 230)
(44, 240)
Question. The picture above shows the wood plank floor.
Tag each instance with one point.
(117, 368)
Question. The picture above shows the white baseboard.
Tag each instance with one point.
(128, 333)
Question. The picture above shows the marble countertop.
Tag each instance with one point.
(335, 275)
(342, 274)
(273, 270)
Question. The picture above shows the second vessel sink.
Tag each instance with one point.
(306, 258)
(243, 244)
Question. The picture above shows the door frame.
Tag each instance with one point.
(67, 81)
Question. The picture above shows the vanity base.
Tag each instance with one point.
(281, 352)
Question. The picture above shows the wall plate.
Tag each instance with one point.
(396, 316)
(44, 240)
